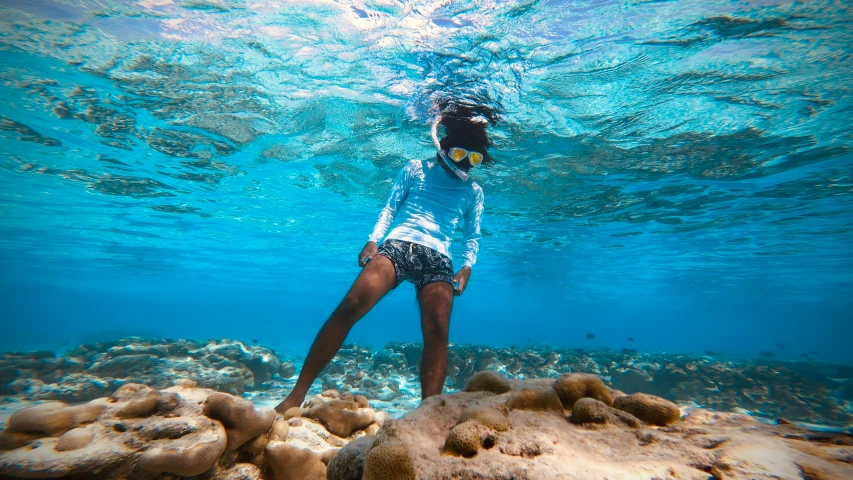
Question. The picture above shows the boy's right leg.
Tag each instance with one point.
(376, 279)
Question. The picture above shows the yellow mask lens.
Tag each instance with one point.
(457, 154)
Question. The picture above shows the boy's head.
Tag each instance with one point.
(466, 128)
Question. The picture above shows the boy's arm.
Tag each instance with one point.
(471, 237)
(398, 195)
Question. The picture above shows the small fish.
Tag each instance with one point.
(804, 354)
(815, 352)
(782, 346)
(629, 350)
(710, 353)
(767, 354)
(590, 336)
(512, 347)
(630, 339)
(254, 340)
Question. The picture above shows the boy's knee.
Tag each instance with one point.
(354, 302)
(435, 329)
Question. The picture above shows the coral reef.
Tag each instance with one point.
(188, 432)
(809, 392)
(799, 391)
(526, 432)
(91, 371)
(443, 439)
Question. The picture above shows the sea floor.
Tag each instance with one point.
(723, 419)
(816, 394)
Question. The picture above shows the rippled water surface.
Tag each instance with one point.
(678, 172)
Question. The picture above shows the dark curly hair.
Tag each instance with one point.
(465, 127)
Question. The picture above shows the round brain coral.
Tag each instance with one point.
(140, 407)
(487, 381)
(74, 439)
(241, 419)
(188, 456)
(463, 440)
(293, 463)
(571, 387)
(537, 399)
(589, 410)
(341, 422)
(490, 417)
(389, 461)
(649, 408)
(53, 418)
(13, 440)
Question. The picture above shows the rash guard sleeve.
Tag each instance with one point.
(471, 232)
(398, 195)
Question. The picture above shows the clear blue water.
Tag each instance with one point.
(675, 172)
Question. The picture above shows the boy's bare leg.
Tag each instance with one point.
(375, 280)
(436, 301)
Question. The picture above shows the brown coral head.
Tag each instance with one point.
(588, 411)
(340, 421)
(488, 381)
(191, 455)
(466, 439)
(535, 399)
(293, 463)
(240, 418)
(650, 409)
(491, 417)
(571, 387)
(53, 418)
(389, 461)
(74, 439)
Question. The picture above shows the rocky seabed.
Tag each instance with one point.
(181, 411)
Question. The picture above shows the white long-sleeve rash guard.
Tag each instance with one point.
(427, 203)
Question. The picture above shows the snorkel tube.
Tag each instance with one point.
(443, 155)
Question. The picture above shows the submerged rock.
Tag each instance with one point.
(442, 439)
(144, 433)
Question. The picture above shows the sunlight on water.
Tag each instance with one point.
(684, 152)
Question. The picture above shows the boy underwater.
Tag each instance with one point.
(427, 200)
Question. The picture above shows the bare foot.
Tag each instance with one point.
(288, 403)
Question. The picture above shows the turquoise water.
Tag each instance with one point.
(674, 172)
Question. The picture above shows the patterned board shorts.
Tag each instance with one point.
(416, 263)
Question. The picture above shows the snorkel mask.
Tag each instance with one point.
(441, 153)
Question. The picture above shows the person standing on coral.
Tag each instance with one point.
(425, 205)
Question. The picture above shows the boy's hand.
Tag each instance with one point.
(367, 253)
(461, 280)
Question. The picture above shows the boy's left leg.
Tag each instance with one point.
(436, 302)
